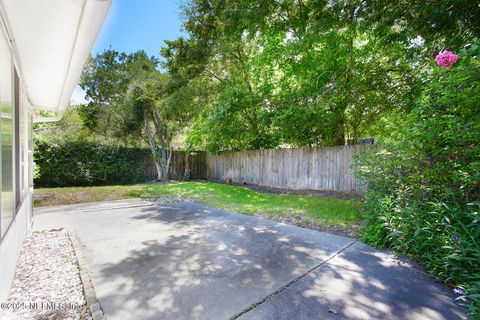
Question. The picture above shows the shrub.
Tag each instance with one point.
(81, 163)
(424, 182)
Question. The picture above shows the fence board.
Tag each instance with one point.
(326, 168)
(196, 162)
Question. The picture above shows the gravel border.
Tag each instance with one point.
(47, 283)
(93, 304)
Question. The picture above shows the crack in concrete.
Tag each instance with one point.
(97, 209)
(292, 282)
(120, 207)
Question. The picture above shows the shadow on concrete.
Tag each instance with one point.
(188, 261)
(362, 283)
(210, 264)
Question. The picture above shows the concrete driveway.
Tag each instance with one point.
(188, 261)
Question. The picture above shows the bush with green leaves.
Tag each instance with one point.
(63, 163)
(424, 181)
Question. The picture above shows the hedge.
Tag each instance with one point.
(80, 163)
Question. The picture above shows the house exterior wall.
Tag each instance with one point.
(16, 163)
(43, 47)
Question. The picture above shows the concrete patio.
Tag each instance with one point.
(188, 261)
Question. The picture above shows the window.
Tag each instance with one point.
(25, 146)
(22, 129)
(7, 202)
(17, 136)
(29, 159)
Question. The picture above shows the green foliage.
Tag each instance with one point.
(308, 73)
(451, 23)
(129, 99)
(106, 79)
(424, 181)
(81, 163)
(260, 74)
(69, 127)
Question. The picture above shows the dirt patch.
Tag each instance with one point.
(320, 193)
(300, 221)
(52, 198)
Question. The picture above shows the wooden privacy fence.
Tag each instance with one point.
(325, 168)
(196, 163)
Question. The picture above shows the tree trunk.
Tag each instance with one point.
(167, 165)
(161, 157)
(340, 131)
(186, 165)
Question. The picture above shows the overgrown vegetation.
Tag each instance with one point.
(312, 209)
(424, 181)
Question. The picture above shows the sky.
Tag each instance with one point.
(133, 25)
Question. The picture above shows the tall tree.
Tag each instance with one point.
(129, 98)
(290, 72)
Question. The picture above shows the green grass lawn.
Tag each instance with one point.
(310, 209)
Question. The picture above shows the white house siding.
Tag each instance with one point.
(16, 186)
(43, 47)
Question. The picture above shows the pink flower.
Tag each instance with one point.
(446, 59)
